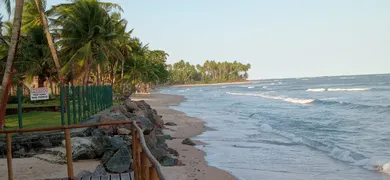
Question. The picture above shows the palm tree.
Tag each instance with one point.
(12, 52)
(87, 32)
(40, 4)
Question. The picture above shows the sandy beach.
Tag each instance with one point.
(195, 166)
(212, 84)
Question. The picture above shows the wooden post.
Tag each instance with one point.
(9, 156)
(153, 174)
(134, 149)
(145, 164)
(69, 160)
(139, 153)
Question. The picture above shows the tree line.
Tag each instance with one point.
(87, 42)
(211, 72)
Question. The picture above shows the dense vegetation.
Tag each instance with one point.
(211, 72)
(87, 42)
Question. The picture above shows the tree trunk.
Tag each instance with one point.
(51, 86)
(86, 75)
(98, 75)
(41, 81)
(12, 52)
(50, 41)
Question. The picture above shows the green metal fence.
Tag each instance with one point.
(77, 103)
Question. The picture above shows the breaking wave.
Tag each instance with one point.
(287, 99)
(332, 150)
(337, 89)
(378, 108)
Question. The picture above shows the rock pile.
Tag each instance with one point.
(113, 143)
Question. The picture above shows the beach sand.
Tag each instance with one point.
(195, 166)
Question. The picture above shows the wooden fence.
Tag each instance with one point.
(145, 166)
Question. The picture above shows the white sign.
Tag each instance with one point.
(39, 94)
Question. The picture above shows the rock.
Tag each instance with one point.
(98, 132)
(173, 152)
(107, 155)
(168, 137)
(159, 153)
(169, 161)
(123, 131)
(188, 141)
(117, 142)
(131, 106)
(100, 170)
(145, 124)
(112, 117)
(120, 161)
(160, 139)
(151, 140)
(83, 148)
(170, 124)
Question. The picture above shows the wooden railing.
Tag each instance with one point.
(145, 166)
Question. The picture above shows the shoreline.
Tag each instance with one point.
(210, 84)
(195, 165)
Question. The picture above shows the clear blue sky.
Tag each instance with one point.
(280, 38)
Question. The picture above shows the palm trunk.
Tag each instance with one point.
(98, 77)
(12, 52)
(50, 41)
(86, 75)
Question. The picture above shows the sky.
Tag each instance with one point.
(279, 38)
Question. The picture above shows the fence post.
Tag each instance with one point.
(96, 99)
(78, 101)
(62, 105)
(111, 96)
(87, 88)
(68, 105)
(69, 159)
(19, 94)
(84, 101)
(106, 95)
(9, 156)
(74, 105)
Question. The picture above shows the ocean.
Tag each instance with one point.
(295, 129)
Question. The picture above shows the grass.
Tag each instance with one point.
(37, 104)
(34, 120)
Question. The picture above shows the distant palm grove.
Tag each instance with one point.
(211, 72)
(87, 42)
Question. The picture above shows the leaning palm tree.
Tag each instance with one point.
(40, 4)
(12, 52)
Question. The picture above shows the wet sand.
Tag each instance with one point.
(195, 165)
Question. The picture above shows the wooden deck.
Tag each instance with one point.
(123, 176)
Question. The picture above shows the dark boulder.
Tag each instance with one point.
(188, 141)
(120, 161)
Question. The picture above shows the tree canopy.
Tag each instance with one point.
(95, 46)
(211, 72)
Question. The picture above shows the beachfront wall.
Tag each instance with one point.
(76, 103)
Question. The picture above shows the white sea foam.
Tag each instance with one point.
(251, 87)
(343, 155)
(337, 89)
(266, 128)
(286, 99)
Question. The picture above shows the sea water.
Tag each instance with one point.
(303, 128)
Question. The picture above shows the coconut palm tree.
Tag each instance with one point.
(12, 52)
(40, 4)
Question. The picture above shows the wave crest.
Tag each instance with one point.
(286, 99)
(337, 89)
